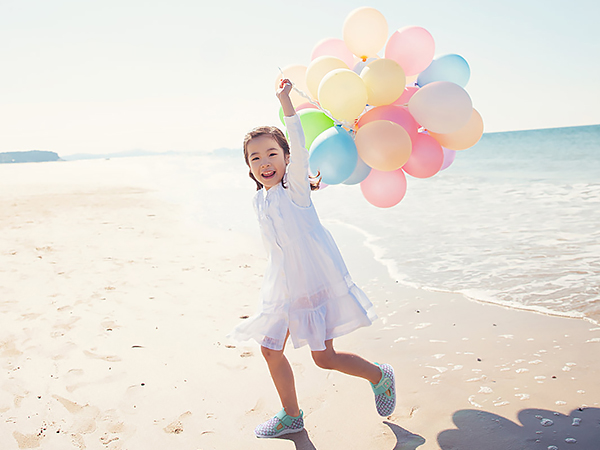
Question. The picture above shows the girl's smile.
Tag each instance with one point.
(267, 160)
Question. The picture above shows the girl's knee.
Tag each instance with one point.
(324, 360)
(269, 354)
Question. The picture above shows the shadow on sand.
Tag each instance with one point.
(300, 439)
(539, 429)
(405, 440)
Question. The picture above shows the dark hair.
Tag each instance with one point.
(279, 137)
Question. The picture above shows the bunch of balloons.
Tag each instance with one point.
(369, 119)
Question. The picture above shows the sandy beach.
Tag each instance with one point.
(115, 309)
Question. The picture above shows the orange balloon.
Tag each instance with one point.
(463, 138)
(383, 145)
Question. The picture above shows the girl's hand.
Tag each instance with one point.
(283, 94)
(285, 87)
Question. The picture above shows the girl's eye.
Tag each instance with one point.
(254, 159)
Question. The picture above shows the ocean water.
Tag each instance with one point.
(515, 220)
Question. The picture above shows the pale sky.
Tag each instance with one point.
(102, 76)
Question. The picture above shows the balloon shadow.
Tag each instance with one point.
(538, 429)
(405, 440)
(300, 440)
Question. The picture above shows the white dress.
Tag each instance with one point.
(306, 289)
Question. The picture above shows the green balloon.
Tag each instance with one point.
(314, 122)
(281, 115)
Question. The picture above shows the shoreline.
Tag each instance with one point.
(117, 306)
(389, 266)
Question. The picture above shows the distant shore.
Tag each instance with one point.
(28, 156)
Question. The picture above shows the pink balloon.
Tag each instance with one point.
(411, 47)
(333, 47)
(393, 113)
(384, 189)
(409, 91)
(449, 156)
(305, 106)
(426, 158)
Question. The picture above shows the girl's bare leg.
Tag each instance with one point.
(348, 363)
(283, 377)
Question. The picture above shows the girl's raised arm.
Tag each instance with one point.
(283, 94)
(297, 171)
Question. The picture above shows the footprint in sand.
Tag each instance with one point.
(110, 358)
(84, 420)
(28, 440)
(176, 427)
(8, 349)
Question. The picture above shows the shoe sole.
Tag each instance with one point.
(282, 433)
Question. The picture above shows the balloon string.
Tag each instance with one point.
(344, 123)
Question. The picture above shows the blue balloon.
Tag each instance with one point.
(361, 171)
(333, 153)
(453, 68)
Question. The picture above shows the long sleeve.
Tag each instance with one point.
(297, 170)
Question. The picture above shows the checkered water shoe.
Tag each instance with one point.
(279, 425)
(385, 391)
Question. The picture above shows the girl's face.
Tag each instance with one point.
(267, 160)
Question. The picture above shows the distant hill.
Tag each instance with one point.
(40, 156)
(28, 156)
(228, 152)
(125, 154)
(137, 153)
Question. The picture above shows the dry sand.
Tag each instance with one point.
(114, 315)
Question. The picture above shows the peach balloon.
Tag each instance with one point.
(318, 68)
(333, 47)
(383, 145)
(343, 93)
(365, 31)
(464, 138)
(411, 47)
(441, 107)
(297, 74)
(385, 81)
(426, 158)
(384, 189)
(393, 113)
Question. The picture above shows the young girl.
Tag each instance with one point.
(307, 293)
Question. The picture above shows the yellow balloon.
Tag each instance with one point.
(383, 145)
(385, 81)
(463, 138)
(343, 93)
(297, 74)
(320, 67)
(365, 32)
